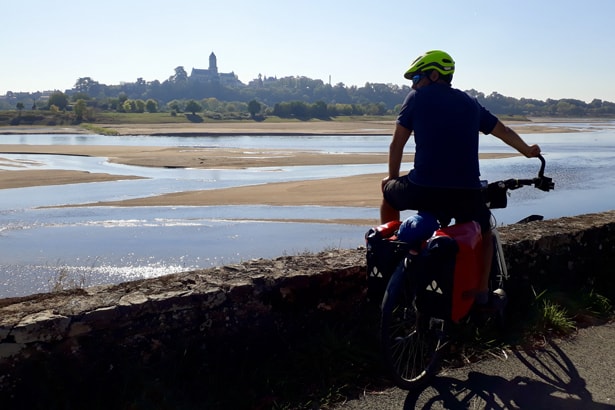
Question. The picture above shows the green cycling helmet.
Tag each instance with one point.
(437, 60)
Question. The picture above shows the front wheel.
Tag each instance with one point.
(412, 343)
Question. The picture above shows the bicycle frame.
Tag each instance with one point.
(498, 257)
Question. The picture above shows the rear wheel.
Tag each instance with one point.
(412, 344)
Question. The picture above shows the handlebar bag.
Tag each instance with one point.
(496, 197)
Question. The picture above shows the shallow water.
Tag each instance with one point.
(88, 246)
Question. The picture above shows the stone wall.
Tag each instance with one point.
(567, 253)
(197, 323)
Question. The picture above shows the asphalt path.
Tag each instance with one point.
(576, 373)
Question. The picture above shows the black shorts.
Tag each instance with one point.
(463, 205)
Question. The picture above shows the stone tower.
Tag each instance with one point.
(213, 64)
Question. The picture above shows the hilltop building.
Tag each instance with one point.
(212, 75)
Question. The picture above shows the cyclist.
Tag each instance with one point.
(445, 178)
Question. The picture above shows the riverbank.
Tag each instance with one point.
(314, 127)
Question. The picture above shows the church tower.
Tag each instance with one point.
(213, 64)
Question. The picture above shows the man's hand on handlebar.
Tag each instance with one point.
(533, 151)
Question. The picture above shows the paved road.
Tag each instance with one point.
(565, 374)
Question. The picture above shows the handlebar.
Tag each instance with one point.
(496, 191)
(541, 181)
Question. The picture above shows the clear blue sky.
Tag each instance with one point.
(520, 48)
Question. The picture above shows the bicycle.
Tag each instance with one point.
(426, 288)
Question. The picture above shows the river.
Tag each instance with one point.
(85, 246)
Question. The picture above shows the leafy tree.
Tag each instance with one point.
(254, 107)
(139, 106)
(293, 109)
(300, 110)
(59, 99)
(175, 105)
(282, 110)
(332, 110)
(122, 103)
(134, 106)
(211, 104)
(151, 105)
(193, 107)
(340, 109)
(180, 75)
(319, 110)
(568, 107)
(80, 110)
(128, 106)
(375, 109)
(87, 85)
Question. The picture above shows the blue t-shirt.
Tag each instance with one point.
(446, 122)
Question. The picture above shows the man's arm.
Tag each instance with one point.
(396, 149)
(510, 137)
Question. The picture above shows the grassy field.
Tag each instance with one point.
(48, 117)
(51, 118)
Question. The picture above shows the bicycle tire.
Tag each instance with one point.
(412, 344)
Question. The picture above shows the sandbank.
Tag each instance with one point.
(357, 191)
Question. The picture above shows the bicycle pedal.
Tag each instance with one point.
(481, 314)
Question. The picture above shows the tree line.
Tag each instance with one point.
(287, 97)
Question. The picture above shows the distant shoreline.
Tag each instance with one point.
(299, 128)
